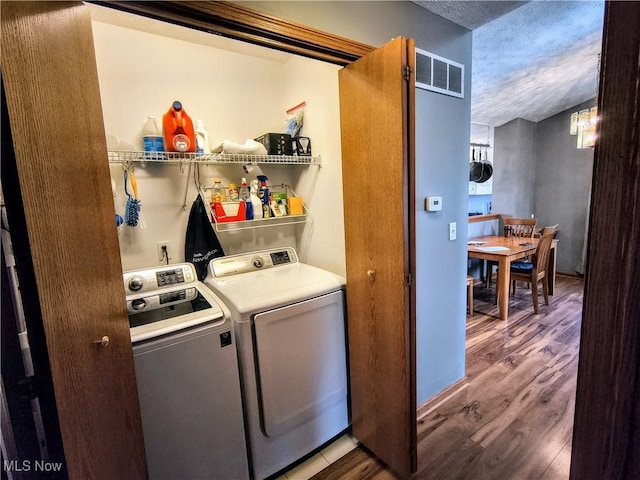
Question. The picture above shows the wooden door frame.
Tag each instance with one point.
(241, 23)
(607, 417)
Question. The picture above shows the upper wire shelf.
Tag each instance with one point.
(126, 156)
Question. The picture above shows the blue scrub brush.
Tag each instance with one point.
(132, 208)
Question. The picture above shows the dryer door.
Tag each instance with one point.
(301, 364)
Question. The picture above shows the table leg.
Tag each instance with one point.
(551, 272)
(504, 265)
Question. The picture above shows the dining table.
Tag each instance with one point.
(504, 251)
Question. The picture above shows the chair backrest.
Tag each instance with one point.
(544, 247)
(521, 227)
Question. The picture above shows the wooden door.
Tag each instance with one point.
(64, 196)
(377, 122)
(606, 436)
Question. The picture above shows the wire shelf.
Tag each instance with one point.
(226, 226)
(126, 156)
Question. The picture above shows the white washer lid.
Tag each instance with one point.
(262, 290)
(216, 312)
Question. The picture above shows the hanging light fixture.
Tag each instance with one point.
(583, 122)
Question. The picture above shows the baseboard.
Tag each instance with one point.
(569, 274)
(437, 400)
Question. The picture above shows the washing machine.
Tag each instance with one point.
(187, 376)
(289, 321)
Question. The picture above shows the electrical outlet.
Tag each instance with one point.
(452, 231)
(161, 254)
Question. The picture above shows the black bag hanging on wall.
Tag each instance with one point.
(201, 243)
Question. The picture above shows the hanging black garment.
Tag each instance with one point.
(201, 243)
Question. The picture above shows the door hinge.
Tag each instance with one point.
(27, 388)
(406, 70)
(409, 280)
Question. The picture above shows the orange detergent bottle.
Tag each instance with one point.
(177, 130)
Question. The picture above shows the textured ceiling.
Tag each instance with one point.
(470, 14)
(533, 61)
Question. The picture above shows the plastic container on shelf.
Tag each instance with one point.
(224, 212)
(177, 130)
(234, 195)
(218, 192)
(151, 136)
(202, 138)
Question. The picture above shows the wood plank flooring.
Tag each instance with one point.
(514, 418)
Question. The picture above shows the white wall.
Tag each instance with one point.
(321, 242)
(238, 96)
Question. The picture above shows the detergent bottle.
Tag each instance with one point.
(177, 130)
(255, 201)
(263, 195)
(202, 138)
(151, 136)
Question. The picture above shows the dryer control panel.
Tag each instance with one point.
(250, 262)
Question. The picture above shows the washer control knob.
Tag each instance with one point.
(138, 303)
(257, 262)
(136, 283)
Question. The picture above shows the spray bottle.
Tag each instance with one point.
(264, 196)
(255, 201)
(245, 197)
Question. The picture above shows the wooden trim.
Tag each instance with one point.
(485, 218)
(442, 397)
(606, 438)
(410, 129)
(241, 23)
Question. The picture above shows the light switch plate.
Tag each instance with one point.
(453, 233)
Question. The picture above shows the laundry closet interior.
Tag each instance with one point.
(239, 91)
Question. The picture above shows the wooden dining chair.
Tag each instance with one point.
(520, 227)
(536, 270)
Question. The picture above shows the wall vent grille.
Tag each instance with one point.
(439, 74)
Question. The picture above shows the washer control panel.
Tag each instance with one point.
(165, 299)
(251, 262)
(142, 281)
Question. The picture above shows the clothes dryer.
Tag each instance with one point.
(289, 321)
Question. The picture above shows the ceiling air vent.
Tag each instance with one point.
(439, 74)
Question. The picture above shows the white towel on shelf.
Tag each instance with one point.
(250, 147)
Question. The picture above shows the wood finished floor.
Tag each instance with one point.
(514, 419)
